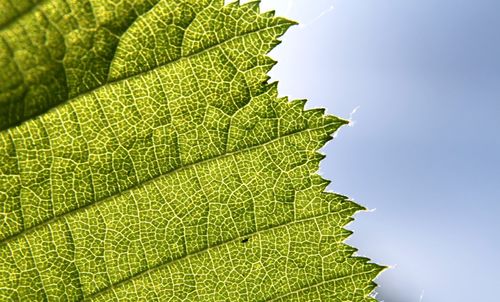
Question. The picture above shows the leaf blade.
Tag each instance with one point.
(186, 177)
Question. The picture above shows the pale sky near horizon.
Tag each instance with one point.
(424, 150)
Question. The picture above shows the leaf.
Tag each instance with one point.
(145, 157)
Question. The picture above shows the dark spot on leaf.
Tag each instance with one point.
(245, 240)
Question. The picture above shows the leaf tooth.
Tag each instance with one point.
(345, 233)
(265, 79)
(322, 183)
(318, 156)
(275, 43)
(350, 206)
(299, 104)
(253, 6)
(267, 64)
(273, 89)
(331, 123)
(364, 260)
(269, 14)
(285, 21)
(316, 112)
(271, 62)
(334, 119)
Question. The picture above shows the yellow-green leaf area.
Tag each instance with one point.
(145, 157)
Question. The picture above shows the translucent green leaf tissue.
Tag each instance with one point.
(145, 157)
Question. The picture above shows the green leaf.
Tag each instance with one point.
(144, 157)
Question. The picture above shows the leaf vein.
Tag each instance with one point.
(187, 257)
(318, 284)
(183, 58)
(181, 168)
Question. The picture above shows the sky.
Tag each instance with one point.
(420, 81)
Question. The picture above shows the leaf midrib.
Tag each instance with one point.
(31, 229)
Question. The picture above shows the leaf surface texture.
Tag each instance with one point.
(145, 157)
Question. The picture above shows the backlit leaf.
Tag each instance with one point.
(145, 157)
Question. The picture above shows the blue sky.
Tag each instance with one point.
(424, 146)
